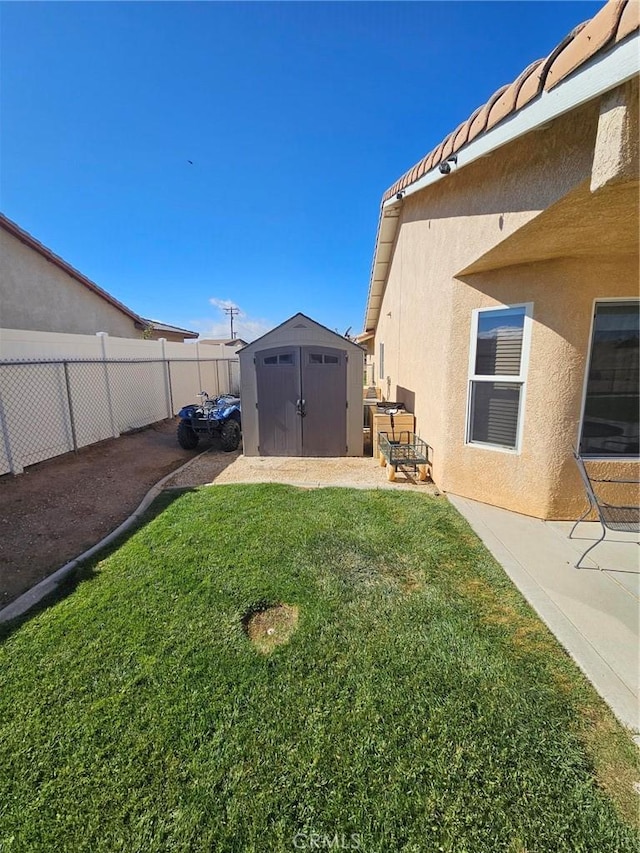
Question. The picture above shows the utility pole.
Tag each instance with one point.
(231, 312)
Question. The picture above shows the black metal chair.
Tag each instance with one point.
(625, 519)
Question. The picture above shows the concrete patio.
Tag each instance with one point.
(594, 611)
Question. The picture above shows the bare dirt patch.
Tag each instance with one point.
(57, 509)
(270, 626)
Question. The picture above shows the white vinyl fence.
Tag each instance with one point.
(82, 389)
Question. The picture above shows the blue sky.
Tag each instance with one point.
(297, 117)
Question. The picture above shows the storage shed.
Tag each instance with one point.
(301, 390)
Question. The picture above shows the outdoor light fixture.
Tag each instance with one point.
(445, 166)
(399, 196)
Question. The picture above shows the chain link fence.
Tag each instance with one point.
(51, 407)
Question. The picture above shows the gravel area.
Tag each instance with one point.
(358, 472)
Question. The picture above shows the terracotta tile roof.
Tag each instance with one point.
(615, 21)
(11, 228)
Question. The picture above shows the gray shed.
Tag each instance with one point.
(301, 390)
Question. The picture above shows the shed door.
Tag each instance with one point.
(302, 401)
(324, 389)
(278, 381)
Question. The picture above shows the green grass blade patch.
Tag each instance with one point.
(416, 703)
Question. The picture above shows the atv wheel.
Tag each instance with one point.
(230, 435)
(187, 438)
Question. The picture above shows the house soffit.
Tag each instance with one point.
(581, 224)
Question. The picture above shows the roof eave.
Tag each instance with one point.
(599, 75)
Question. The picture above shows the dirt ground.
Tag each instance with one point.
(56, 510)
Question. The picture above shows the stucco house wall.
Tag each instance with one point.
(36, 294)
(542, 480)
(442, 230)
(520, 226)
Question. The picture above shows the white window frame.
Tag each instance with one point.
(587, 365)
(520, 379)
(381, 360)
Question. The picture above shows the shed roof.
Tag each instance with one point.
(307, 320)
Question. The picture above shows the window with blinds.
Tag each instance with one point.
(499, 339)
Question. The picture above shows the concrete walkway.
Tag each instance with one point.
(594, 611)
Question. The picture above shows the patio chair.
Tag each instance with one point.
(624, 519)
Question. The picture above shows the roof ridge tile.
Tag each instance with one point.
(506, 103)
(629, 20)
(593, 36)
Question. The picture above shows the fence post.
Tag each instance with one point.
(167, 378)
(229, 385)
(103, 345)
(199, 372)
(72, 419)
(14, 465)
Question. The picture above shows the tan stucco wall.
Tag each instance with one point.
(618, 138)
(35, 294)
(425, 317)
(541, 480)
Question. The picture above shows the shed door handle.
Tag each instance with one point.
(301, 408)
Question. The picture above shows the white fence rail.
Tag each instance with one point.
(51, 405)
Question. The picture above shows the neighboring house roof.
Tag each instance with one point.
(157, 326)
(11, 228)
(511, 112)
(224, 342)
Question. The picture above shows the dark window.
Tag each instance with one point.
(610, 422)
(494, 413)
(318, 358)
(284, 358)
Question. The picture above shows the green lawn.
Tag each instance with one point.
(418, 706)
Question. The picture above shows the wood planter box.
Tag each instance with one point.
(402, 422)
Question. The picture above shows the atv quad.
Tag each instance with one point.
(217, 416)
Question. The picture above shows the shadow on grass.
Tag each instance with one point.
(85, 571)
